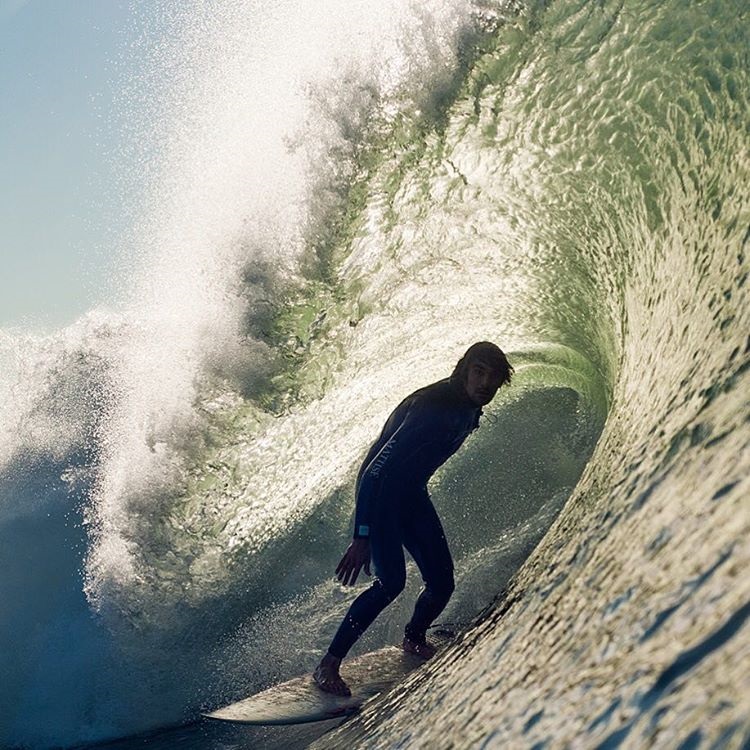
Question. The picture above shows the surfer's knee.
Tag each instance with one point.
(392, 587)
(442, 587)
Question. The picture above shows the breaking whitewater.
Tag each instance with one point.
(329, 207)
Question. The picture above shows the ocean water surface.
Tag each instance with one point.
(339, 200)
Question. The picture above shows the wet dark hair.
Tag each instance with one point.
(488, 353)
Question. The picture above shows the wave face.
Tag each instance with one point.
(612, 138)
(336, 206)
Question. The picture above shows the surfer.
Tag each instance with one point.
(394, 510)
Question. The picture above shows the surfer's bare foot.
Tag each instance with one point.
(327, 677)
(420, 648)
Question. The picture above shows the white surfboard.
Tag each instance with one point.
(300, 700)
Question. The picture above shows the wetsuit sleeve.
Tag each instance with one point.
(420, 426)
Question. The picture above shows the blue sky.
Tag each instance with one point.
(61, 220)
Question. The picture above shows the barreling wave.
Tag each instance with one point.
(564, 179)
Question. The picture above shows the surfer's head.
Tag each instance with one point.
(481, 371)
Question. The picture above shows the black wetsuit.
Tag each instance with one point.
(395, 511)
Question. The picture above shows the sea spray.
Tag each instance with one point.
(153, 505)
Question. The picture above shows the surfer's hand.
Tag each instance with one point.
(356, 555)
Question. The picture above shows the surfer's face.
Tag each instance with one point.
(482, 382)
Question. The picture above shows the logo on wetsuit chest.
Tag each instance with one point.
(460, 428)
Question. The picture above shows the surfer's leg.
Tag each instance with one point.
(390, 570)
(425, 540)
(365, 608)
